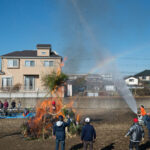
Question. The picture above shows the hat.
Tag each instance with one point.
(60, 118)
(87, 119)
(53, 102)
(135, 120)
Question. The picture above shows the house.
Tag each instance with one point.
(24, 70)
(143, 76)
(131, 81)
(94, 83)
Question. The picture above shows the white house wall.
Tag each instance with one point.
(134, 82)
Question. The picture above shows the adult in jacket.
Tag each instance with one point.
(88, 135)
(136, 133)
(147, 118)
(59, 132)
(143, 114)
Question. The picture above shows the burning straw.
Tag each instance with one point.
(48, 111)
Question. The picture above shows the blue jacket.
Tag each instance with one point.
(88, 133)
(59, 129)
(147, 119)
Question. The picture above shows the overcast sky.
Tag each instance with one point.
(79, 28)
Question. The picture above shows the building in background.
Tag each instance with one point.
(23, 70)
(132, 81)
(143, 76)
(91, 85)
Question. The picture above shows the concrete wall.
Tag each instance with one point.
(86, 102)
(106, 102)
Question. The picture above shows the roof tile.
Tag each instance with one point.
(28, 53)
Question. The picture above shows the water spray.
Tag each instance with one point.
(104, 56)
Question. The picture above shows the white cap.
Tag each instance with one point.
(87, 119)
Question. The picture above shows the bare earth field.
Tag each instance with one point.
(110, 125)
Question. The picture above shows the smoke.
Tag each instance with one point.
(76, 55)
(84, 49)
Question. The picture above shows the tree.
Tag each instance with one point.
(54, 80)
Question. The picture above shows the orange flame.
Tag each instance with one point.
(47, 107)
(78, 118)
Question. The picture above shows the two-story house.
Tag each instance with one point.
(144, 75)
(26, 68)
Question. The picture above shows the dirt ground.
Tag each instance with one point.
(110, 125)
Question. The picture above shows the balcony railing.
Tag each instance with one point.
(25, 92)
(17, 88)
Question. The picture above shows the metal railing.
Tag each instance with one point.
(19, 89)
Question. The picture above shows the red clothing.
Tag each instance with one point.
(5, 104)
(53, 103)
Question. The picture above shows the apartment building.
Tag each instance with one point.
(23, 70)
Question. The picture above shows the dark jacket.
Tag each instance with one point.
(88, 133)
(13, 104)
(147, 120)
(1, 105)
(136, 132)
(59, 129)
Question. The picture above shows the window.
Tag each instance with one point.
(144, 77)
(6, 82)
(29, 63)
(29, 82)
(43, 53)
(131, 80)
(48, 63)
(12, 63)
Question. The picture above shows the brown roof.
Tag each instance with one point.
(28, 53)
(43, 46)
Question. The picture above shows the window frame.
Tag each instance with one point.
(131, 80)
(30, 62)
(11, 64)
(43, 53)
(7, 86)
(144, 77)
(27, 79)
(49, 63)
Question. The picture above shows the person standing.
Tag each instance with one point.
(19, 105)
(5, 107)
(88, 135)
(13, 104)
(143, 114)
(1, 105)
(136, 133)
(147, 119)
(59, 132)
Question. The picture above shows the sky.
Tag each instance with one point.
(84, 31)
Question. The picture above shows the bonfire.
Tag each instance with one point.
(48, 111)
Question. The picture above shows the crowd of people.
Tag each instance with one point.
(4, 106)
(88, 133)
